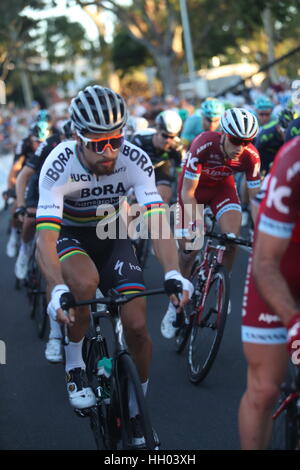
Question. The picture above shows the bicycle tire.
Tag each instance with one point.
(126, 372)
(39, 307)
(205, 338)
(183, 333)
(102, 424)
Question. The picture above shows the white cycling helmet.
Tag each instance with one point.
(169, 121)
(240, 123)
(98, 109)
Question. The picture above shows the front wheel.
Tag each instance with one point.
(130, 390)
(208, 327)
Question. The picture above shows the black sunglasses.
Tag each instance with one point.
(167, 136)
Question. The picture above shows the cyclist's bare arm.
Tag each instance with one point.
(21, 183)
(15, 168)
(190, 209)
(165, 246)
(47, 257)
(270, 282)
(50, 266)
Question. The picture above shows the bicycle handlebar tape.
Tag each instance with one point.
(67, 300)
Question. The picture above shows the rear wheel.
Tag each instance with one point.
(208, 328)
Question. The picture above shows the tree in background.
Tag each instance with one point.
(17, 43)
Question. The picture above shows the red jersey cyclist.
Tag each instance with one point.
(208, 178)
(271, 313)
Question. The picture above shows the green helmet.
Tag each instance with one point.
(263, 103)
(285, 117)
(212, 108)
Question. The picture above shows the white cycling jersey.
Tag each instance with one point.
(70, 194)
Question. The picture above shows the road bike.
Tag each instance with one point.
(110, 418)
(201, 323)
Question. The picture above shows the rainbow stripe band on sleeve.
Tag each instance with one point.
(154, 208)
(71, 250)
(130, 288)
(48, 223)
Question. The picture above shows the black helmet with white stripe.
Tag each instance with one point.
(97, 109)
(240, 123)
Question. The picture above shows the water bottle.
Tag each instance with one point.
(104, 370)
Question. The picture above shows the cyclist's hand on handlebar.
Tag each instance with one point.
(20, 213)
(293, 330)
(8, 193)
(55, 309)
(178, 288)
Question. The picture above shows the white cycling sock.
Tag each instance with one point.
(73, 354)
(25, 247)
(133, 406)
(55, 331)
(13, 233)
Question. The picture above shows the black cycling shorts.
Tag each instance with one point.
(115, 260)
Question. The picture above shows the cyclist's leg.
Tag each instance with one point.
(267, 365)
(122, 272)
(81, 275)
(226, 207)
(28, 228)
(264, 340)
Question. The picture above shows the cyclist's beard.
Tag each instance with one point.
(100, 169)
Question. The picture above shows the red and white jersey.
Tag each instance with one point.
(279, 213)
(207, 163)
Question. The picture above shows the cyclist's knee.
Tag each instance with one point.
(84, 287)
(262, 393)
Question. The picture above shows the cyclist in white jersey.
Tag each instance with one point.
(79, 180)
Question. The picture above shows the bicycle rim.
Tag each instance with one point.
(183, 333)
(127, 373)
(205, 337)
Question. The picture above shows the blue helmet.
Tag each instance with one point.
(40, 130)
(212, 108)
(262, 103)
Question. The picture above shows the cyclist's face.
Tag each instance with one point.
(210, 124)
(164, 140)
(233, 151)
(264, 117)
(100, 163)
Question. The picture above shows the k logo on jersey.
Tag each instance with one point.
(276, 196)
(192, 162)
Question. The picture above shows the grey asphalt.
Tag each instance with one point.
(34, 409)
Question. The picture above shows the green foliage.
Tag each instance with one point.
(128, 53)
